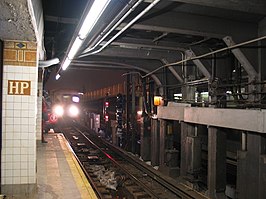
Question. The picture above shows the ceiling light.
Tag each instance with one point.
(75, 47)
(95, 12)
(90, 20)
(66, 63)
(57, 76)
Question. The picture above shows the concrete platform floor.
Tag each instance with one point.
(58, 173)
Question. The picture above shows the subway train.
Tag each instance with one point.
(61, 106)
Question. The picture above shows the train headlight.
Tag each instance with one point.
(59, 111)
(73, 111)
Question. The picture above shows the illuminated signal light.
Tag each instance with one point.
(106, 118)
(106, 104)
(157, 100)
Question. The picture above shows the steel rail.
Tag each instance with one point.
(179, 189)
(94, 187)
(147, 189)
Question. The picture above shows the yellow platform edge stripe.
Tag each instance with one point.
(82, 183)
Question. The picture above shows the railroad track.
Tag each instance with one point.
(114, 173)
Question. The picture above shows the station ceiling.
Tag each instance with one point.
(160, 36)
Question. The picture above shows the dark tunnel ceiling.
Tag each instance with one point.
(169, 27)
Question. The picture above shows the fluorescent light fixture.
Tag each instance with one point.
(66, 63)
(57, 76)
(75, 47)
(90, 20)
(93, 15)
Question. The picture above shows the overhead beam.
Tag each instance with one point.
(198, 63)
(169, 29)
(138, 53)
(255, 6)
(173, 71)
(148, 45)
(61, 19)
(241, 58)
(197, 25)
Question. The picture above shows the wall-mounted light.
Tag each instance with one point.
(90, 20)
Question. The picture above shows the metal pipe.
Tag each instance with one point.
(207, 54)
(114, 27)
(47, 63)
(124, 29)
(196, 82)
(154, 77)
(184, 68)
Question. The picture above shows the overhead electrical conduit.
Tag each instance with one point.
(114, 27)
(147, 9)
(123, 65)
(80, 40)
(47, 63)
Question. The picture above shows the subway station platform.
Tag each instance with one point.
(58, 172)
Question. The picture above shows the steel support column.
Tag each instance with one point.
(251, 168)
(162, 141)
(133, 113)
(190, 149)
(216, 162)
(145, 139)
(262, 53)
(155, 141)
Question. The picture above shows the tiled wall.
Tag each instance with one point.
(19, 115)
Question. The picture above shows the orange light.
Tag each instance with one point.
(157, 100)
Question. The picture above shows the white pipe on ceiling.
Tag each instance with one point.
(114, 27)
(147, 9)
